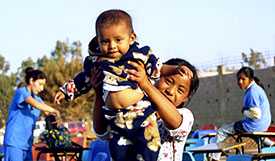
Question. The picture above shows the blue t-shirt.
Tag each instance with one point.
(255, 97)
(21, 120)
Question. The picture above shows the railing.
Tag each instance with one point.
(233, 62)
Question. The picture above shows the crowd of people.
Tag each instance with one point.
(140, 106)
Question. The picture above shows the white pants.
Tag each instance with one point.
(222, 133)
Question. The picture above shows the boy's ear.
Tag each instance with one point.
(133, 38)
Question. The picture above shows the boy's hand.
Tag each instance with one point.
(59, 96)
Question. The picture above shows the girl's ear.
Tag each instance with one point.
(185, 102)
(132, 38)
(31, 80)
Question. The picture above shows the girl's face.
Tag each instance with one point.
(37, 86)
(243, 81)
(176, 87)
(115, 40)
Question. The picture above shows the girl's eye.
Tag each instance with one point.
(180, 91)
(168, 81)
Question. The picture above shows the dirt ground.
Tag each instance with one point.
(249, 148)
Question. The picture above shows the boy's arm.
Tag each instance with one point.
(76, 87)
(81, 83)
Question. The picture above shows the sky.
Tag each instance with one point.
(200, 31)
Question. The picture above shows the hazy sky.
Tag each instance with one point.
(199, 30)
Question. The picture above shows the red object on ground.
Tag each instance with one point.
(76, 127)
(78, 140)
(208, 127)
(271, 129)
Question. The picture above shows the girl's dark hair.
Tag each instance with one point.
(34, 74)
(249, 73)
(195, 79)
(113, 16)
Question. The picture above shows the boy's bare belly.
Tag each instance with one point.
(123, 99)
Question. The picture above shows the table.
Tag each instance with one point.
(257, 136)
(260, 156)
(217, 148)
(193, 142)
(70, 153)
(209, 136)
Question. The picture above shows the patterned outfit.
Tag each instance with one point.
(134, 129)
(173, 141)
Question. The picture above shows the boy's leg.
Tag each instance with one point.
(121, 149)
(147, 140)
(268, 142)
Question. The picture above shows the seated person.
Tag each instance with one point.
(255, 110)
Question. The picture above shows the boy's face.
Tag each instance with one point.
(176, 86)
(115, 40)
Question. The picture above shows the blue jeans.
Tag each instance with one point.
(16, 154)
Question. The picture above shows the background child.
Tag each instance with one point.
(24, 111)
(255, 110)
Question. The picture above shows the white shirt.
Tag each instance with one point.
(175, 139)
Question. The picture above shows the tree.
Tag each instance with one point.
(7, 84)
(254, 59)
(65, 62)
(4, 65)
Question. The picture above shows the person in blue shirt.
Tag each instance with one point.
(256, 109)
(24, 110)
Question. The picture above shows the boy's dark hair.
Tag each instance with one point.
(34, 74)
(113, 16)
(195, 79)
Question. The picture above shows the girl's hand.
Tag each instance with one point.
(56, 113)
(185, 71)
(138, 73)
